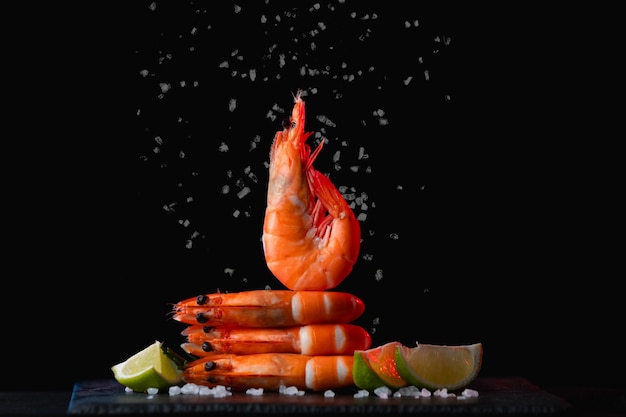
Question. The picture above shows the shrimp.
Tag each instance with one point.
(311, 238)
(269, 308)
(312, 339)
(271, 370)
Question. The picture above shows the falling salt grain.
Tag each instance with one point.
(329, 394)
(232, 104)
(244, 192)
(128, 390)
(152, 6)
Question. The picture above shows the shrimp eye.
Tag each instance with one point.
(201, 299)
(200, 318)
(286, 123)
(209, 366)
(206, 346)
(207, 329)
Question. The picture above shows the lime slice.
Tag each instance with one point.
(439, 366)
(149, 368)
(363, 375)
(383, 362)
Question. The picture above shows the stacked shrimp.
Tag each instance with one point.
(301, 336)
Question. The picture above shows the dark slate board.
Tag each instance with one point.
(498, 396)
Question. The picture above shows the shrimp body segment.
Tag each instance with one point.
(271, 370)
(269, 308)
(312, 339)
(311, 238)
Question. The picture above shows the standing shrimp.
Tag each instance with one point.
(311, 237)
(311, 339)
(271, 370)
(269, 308)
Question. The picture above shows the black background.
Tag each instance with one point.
(491, 193)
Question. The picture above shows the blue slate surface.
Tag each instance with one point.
(498, 396)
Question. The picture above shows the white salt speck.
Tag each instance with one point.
(152, 6)
(143, 73)
(236, 213)
(223, 147)
(232, 104)
(174, 390)
(237, 8)
(329, 394)
(165, 87)
(426, 75)
(225, 189)
(128, 390)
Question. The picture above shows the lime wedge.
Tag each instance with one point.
(382, 361)
(149, 368)
(439, 366)
(363, 375)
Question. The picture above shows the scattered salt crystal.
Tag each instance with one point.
(152, 391)
(408, 391)
(128, 390)
(254, 391)
(362, 393)
(425, 393)
(232, 104)
(292, 390)
(382, 392)
(329, 394)
(469, 393)
(443, 393)
(174, 390)
(205, 391)
(190, 389)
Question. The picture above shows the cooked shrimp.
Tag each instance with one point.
(311, 237)
(312, 339)
(269, 308)
(271, 370)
